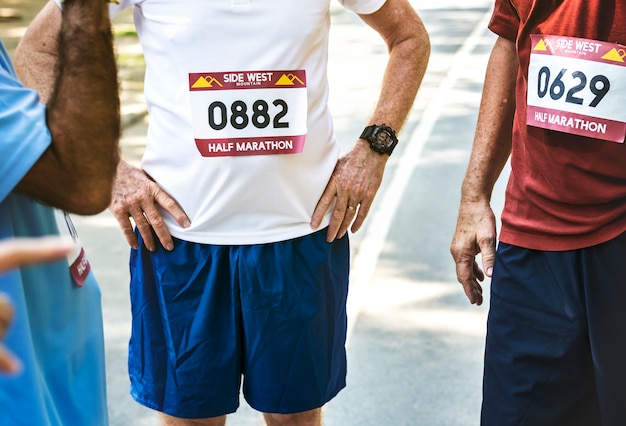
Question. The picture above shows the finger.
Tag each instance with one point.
(171, 206)
(6, 314)
(488, 255)
(8, 362)
(322, 206)
(466, 269)
(474, 292)
(350, 214)
(141, 224)
(26, 251)
(145, 229)
(333, 227)
(127, 228)
(340, 219)
(363, 211)
(159, 228)
(478, 273)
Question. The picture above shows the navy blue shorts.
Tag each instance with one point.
(207, 317)
(556, 337)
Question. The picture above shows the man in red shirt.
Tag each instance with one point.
(552, 102)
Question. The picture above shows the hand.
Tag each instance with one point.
(352, 186)
(21, 252)
(8, 363)
(475, 233)
(136, 196)
(26, 251)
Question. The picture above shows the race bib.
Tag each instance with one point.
(249, 112)
(79, 264)
(577, 86)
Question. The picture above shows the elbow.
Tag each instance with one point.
(411, 45)
(96, 203)
(89, 190)
(88, 200)
(421, 42)
(426, 45)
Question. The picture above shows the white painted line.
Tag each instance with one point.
(366, 258)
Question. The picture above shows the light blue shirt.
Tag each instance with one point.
(57, 331)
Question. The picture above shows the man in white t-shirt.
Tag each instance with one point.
(242, 185)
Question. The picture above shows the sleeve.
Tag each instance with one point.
(362, 7)
(505, 21)
(25, 134)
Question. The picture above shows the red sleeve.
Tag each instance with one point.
(505, 21)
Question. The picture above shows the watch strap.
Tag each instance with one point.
(368, 132)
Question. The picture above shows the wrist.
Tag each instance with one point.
(381, 138)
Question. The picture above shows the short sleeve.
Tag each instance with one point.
(115, 7)
(504, 21)
(25, 134)
(362, 7)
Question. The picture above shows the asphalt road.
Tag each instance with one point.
(415, 344)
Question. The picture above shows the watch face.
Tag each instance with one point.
(383, 139)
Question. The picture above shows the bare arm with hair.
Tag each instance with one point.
(476, 226)
(77, 79)
(359, 173)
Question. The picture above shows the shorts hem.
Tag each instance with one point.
(178, 413)
(287, 410)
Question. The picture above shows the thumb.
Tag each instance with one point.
(488, 256)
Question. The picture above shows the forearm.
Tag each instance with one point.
(492, 139)
(77, 171)
(409, 50)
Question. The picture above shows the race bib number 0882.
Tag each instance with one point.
(577, 86)
(249, 112)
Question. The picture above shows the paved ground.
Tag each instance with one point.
(415, 344)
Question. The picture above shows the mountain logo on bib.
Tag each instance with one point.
(288, 80)
(206, 81)
(615, 55)
(541, 45)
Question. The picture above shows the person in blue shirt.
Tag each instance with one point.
(58, 158)
(15, 253)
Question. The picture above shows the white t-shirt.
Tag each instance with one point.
(240, 133)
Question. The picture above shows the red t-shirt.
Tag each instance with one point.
(565, 191)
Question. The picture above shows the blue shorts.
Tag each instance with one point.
(206, 318)
(556, 337)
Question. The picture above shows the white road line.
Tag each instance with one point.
(366, 258)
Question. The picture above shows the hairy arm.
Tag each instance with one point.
(476, 227)
(359, 173)
(409, 50)
(67, 56)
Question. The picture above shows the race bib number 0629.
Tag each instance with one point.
(577, 86)
(249, 112)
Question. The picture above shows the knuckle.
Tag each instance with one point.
(156, 220)
(338, 215)
(486, 240)
(168, 203)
